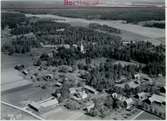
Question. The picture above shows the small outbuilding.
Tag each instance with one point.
(128, 103)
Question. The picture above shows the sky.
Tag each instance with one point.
(110, 2)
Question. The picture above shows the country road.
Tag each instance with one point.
(23, 110)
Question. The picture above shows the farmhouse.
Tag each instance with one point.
(122, 80)
(25, 72)
(89, 106)
(119, 96)
(58, 84)
(143, 96)
(90, 89)
(129, 103)
(60, 30)
(78, 93)
(140, 78)
(157, 99)
(45, 105)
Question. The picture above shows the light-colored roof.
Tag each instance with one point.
(129, 101)
(72, 90)
(157, 98)
(115, 95)
(83, 95)
(132, 84)
(142, 94)
(58, 83)
(62, 29)
(119, 96)
(49, 103)
(49, 75)
(90, 88)
(35, 105)
(142, 75)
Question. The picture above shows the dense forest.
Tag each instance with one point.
(29, 34)
(130, 14)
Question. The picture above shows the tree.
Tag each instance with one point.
(127, 90)
(109, 102)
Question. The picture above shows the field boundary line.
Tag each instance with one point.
(137, 115)
(22, 109)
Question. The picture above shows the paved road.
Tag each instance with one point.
(24, 110)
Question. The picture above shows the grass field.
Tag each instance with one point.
(147, 116)
(17, 114)
(131, 14)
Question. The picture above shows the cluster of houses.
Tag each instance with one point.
(76, 93)
(139, 79)
(66, 46)
(153, 103)
(79, 93)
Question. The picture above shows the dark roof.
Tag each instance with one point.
(136, 96)
(162, 90)
(147, 101)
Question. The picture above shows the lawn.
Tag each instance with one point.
(61, 113)
(17, 114)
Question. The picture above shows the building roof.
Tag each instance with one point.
(58, 84)
(157, 98)
(147, 101)
(141, 75)
(129, 101)
(35, 105)
(83, 94)
(90, 88)
(119, 96)
(72, 90)
(49, 103)
(60, 30)
(142, 94)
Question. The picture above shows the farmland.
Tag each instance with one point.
(84, 63)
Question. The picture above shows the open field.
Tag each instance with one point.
(147, 116)
(9, 74)
(20, 97)
(61, 113)
(103, 73)
(131, 14)
(9, 112)
(129, 31)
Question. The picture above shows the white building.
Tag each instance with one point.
(129, 103)
(140, 78)
(143, 96)
(82, 48)
(78, 93)
(60, 30)
(45, 105)
(157, 98)
(90, 89)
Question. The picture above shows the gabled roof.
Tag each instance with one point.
(142, 94)
(147, 101)
(129, 101)
(157, 98)
(49, 103)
